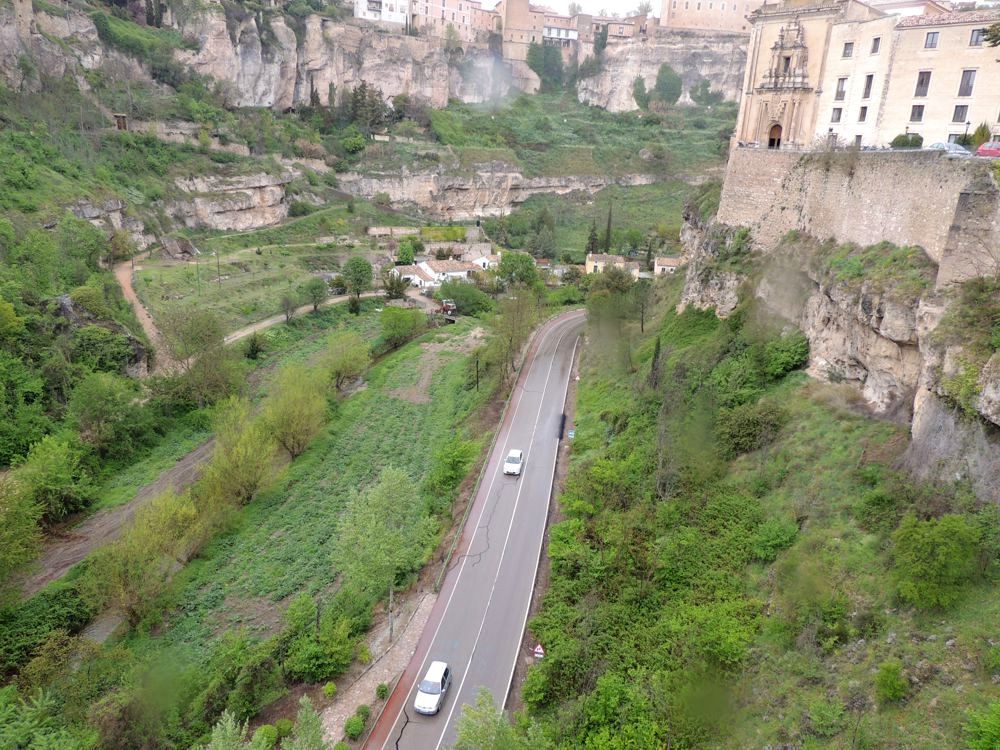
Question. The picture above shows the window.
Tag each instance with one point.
(848, 49)
(786, 64)
(876, 45)
(968, 81)
(917, 113)
(931, 40)
(863, 114)
(837, 112)
(977, 37)
(857, 141)
(923, 83)
(960, 113)
(869, 80)
(841, 90)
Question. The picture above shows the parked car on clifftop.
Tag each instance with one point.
(990, 148)
(950, 149)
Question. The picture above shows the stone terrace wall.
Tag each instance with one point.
(949, 207)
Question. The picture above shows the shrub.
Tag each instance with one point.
(890, 685)
(771, 537)
(782, 355)
(826, 718)
(982, 731)
(329, 690)
(468, 299)
(364, 711)
(748, 427)
(381, 199)
(25, 626)
(341, 746)
(300, 208)
(266, 735)
(382, 691)
(934, 559)
(399, 325)
(354, 727)
(907, 140)
(284, 727)
(53, 477)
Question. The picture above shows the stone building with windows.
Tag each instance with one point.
(708, 15)
(843, 72)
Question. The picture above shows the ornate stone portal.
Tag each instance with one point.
(783, 89)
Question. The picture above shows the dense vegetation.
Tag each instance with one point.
(738, 564)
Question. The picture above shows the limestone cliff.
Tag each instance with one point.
(718, 58)
(492, 190)
(880, 336)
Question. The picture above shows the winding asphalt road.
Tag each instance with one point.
(478, 621)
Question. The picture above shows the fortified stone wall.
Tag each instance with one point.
(949, 207)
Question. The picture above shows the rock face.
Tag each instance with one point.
(492, 190)
(718, 58)
(267, 64)
(883, 343)
(112, 215)
(232, 203)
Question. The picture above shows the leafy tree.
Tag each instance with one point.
(543, 244)
(228, 734)
(934, 559)
(131, 573)
(668, 85)
(485, 727)
(406, 253)
(196, 340)
(467, 298)
(393, 284)
(19, 532)
(105, 410)
(993, 35)
(243, 453)
(316, 291)
(357, 274)
(639, 92)
(592, 241)
(546, 62)
(347, 356)
(382, 535)
(518, 268)
(400, 324)
(295, 410)
(601, 41)
(452, 41)
(54, 478)
(308, 731)
(34, 724)
(289, 304)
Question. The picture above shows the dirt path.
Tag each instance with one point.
(260, 325)
(125, 275)
(65, 548)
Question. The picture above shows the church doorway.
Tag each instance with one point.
(774, 137)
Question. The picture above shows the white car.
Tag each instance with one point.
(513, 463)
(432, 689)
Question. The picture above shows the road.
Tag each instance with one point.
(479, 619)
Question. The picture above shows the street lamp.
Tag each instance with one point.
(965, 140)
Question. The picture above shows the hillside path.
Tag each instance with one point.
(66, 547)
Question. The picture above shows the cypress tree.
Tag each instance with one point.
(607, 232)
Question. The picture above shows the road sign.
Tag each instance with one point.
(572, 434)
(539, 651)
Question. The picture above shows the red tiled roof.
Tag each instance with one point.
(985, 17)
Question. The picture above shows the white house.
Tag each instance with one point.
(430, 274)
(664, 265)
(387, 11)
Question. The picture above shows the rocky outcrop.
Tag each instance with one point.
(494, 189)
(138, 364)
(234, 203)
(264, 63)
(112, 215)
(718, 58)
(873, 337)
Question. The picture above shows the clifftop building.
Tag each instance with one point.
(844, 72)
